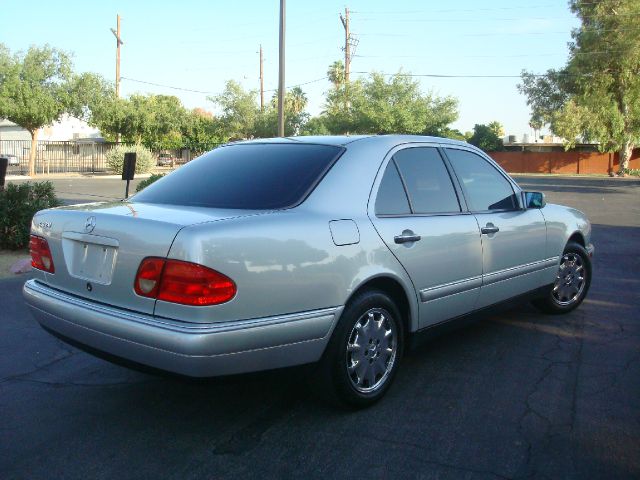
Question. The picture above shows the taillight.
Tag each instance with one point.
(148, 277)
(183, 282)
(40, 254)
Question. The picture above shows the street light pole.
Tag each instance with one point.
(281, 91)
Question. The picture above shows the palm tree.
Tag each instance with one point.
(336, 73)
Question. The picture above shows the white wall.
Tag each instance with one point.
(66, 128)
(11, 131)
(58, 131)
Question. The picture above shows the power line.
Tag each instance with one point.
(440, 75)
(385, 34)
(493, 19)
(523, 55)
(475, 10)
(299, 84)
(498, 34)
(462, 20)
(206, 92)
(426, 75)
(449, 10)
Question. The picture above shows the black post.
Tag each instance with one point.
(4, 162)
(128, 169)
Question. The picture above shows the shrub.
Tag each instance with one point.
(148, 181)
(145, 160)
(18, 204)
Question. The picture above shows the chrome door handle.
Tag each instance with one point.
(406, 238)
(490, 228)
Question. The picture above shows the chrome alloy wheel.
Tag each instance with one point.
(570, 281)
(371, 350)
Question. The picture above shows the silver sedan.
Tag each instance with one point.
(272, 253)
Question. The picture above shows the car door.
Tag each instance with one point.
(420, 215)
(513, 238)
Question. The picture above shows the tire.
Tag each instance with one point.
(364, 351)
(571, 284)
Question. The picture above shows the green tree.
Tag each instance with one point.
(396, 105)
(201, 132)
(155, 121)
(315, 126)
(295, 103)
(454, 134)
(38, 87)
(336, 73)
(596, 96)
(340, 114)
(240, 110)
(487, 137)
(113, 117)
(165, 117)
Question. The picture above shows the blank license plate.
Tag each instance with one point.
(90, 261)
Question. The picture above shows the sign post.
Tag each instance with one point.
(4, 162)
(128, 169)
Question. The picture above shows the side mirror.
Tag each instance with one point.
(534, 199)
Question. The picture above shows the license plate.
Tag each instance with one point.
(89, 261)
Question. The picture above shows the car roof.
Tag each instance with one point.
(342, 140)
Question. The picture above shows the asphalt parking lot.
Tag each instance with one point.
(518, 395)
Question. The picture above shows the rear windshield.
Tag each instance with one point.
(245, 176)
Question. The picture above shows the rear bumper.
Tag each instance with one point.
(198, 350)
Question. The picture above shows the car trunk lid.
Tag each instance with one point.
(97, 248)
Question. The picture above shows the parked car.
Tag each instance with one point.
(272, 253)
(166, 159)
(13, 160)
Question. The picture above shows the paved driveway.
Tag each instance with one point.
(519, 395)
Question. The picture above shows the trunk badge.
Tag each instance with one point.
(90, 224)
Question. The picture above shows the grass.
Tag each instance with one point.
(8, 258)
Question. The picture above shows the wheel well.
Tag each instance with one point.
(578, 238)
(392, 288)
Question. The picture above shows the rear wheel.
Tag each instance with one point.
(572, 281)
(363, 354)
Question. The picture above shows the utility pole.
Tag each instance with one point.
(261, 81)
(347, 46)
(281, 91)
(119, 42)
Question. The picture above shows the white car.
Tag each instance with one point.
(13, 160)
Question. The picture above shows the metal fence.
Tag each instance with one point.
(69, 156)
(58, 157)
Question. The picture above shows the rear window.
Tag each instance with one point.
(246, 176)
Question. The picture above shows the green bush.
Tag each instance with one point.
(148, 181)
(145, 160)
(18, 204)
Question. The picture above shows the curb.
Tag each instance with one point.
(64, 176)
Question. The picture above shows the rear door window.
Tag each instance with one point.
(392, 199)
(427, 181)
(245, 176)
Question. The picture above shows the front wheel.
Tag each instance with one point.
(572, 282)
(363, 354)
